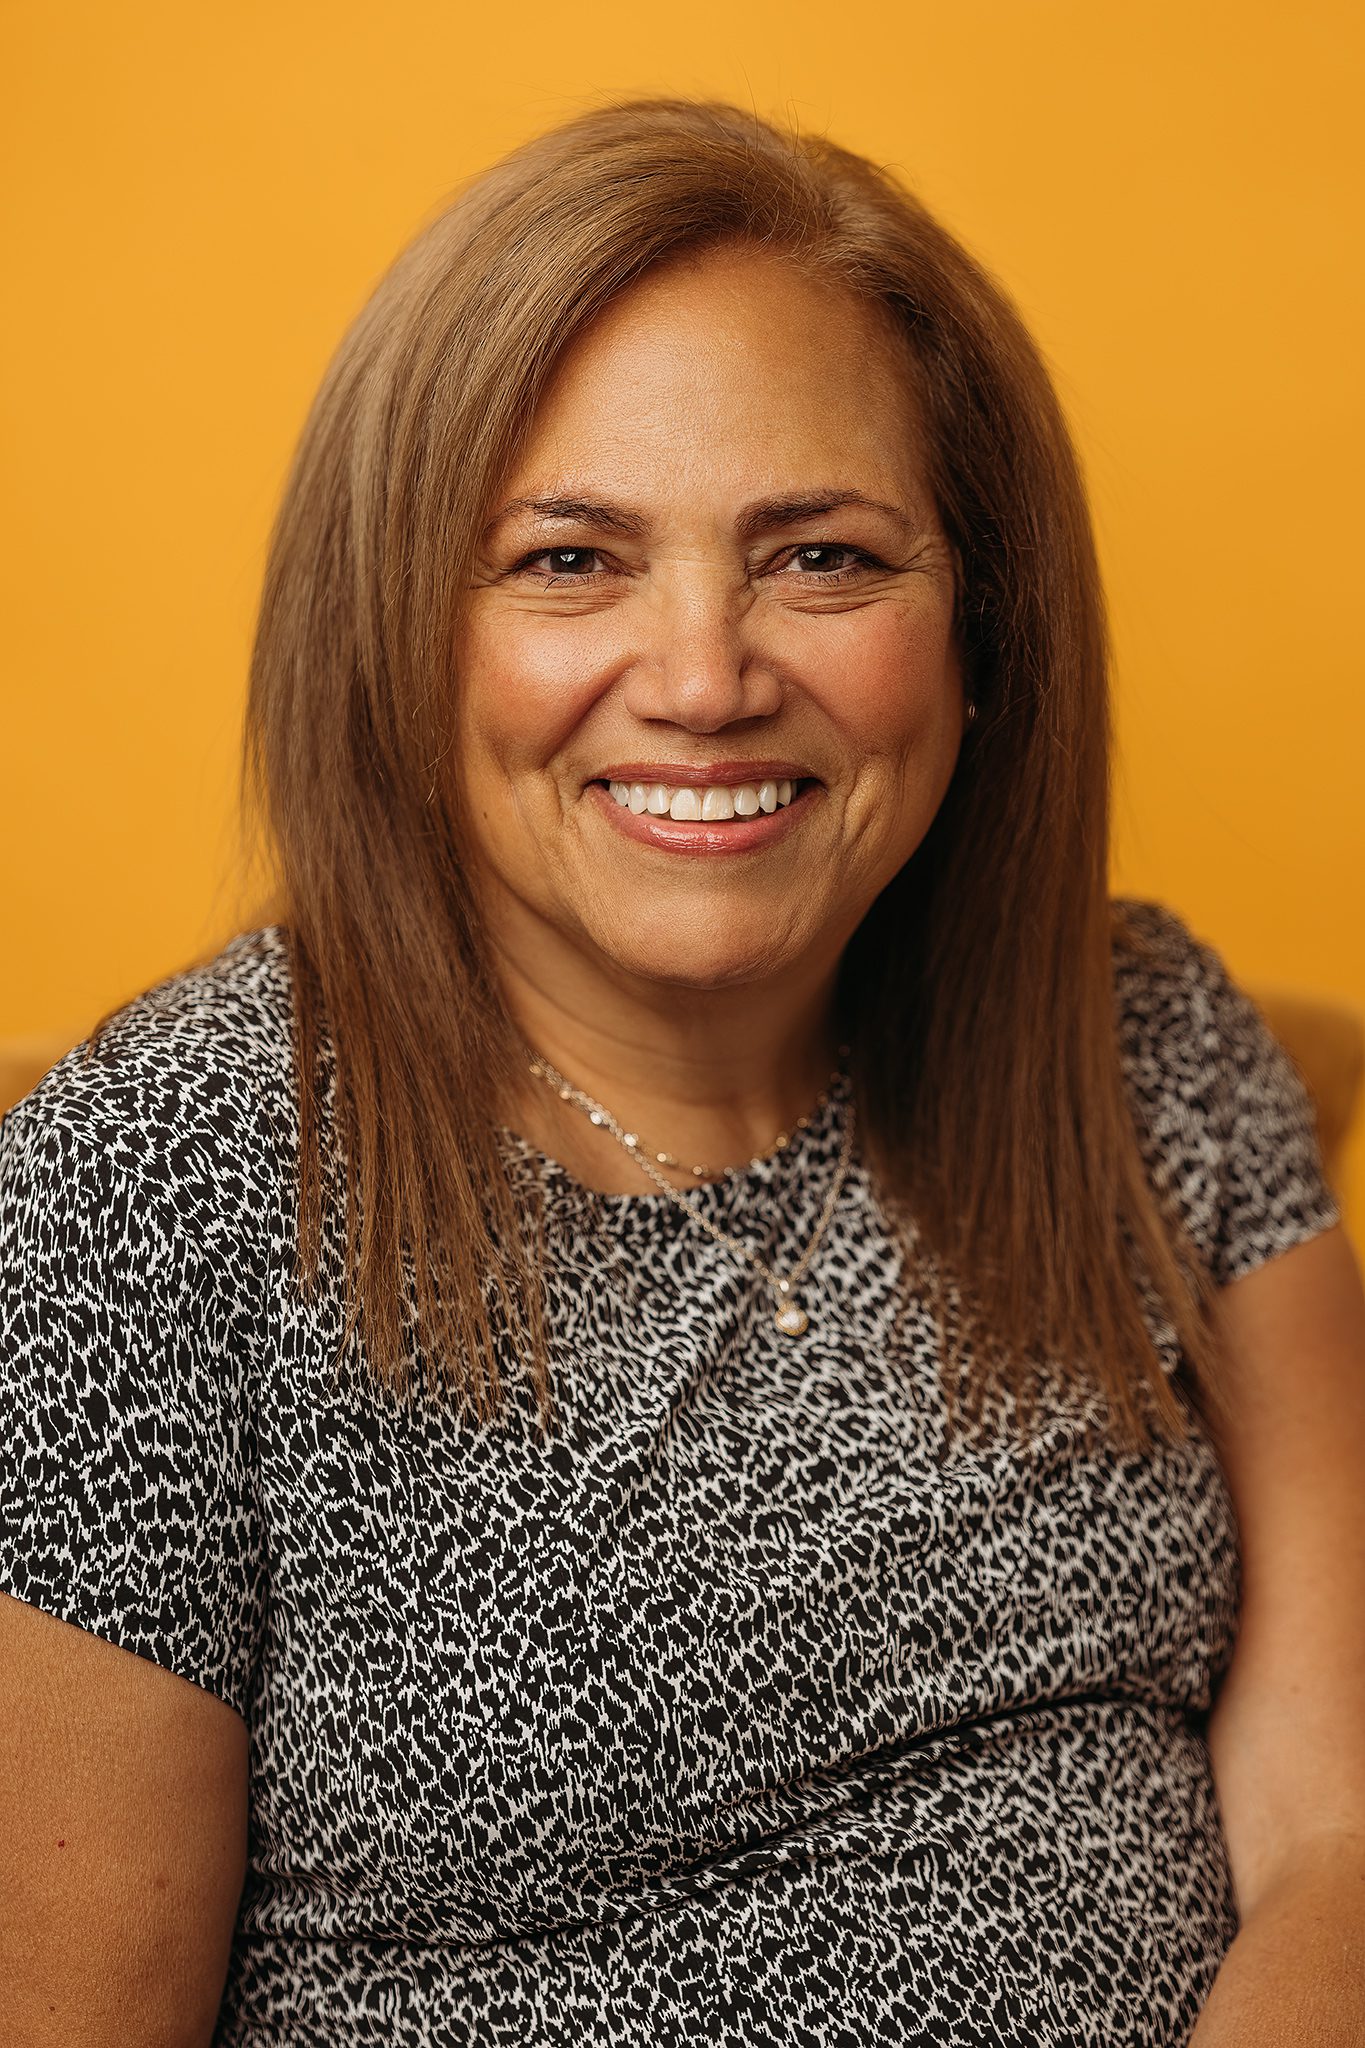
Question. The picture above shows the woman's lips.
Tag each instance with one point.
(733, 835)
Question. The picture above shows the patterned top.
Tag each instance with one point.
(748, 1711)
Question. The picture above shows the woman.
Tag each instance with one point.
(660, 1376)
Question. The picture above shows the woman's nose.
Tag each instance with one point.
(699, 661)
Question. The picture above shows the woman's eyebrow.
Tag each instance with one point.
(764, 515)
(585, 511)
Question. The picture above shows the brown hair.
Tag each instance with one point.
(981, 983)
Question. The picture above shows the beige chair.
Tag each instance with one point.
(24, 1061)
(1326, 1041)
(1325, 1038)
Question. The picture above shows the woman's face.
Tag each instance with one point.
(715, 566)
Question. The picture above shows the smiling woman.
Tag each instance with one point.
(693, 607)
(652, 1416)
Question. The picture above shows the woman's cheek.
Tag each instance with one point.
(525, 692)
(895, 681)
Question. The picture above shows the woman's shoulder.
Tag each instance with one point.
(1178, 1003)
(139, 1216)
(1154, 947)
(186, 1090)
(1223, 1111)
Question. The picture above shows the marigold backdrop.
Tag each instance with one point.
(199, 201)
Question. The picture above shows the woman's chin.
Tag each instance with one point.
(678, 961)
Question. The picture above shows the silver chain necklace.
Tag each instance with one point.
(790, 1317)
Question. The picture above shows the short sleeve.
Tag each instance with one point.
(1272, 1187)
(127, 1498)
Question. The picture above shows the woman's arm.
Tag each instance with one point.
(1287, 1730)
(124, 1794)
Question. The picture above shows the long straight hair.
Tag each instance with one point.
(981, 984)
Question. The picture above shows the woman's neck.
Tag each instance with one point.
(709, 1076)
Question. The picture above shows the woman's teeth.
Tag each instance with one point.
(711, 803)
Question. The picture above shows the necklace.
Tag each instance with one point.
(790, 1317)
(631, 1138)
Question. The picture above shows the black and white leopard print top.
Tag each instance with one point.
(742, 1713)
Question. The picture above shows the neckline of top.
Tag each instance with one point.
(820, 1134)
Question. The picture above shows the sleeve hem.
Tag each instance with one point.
(1271, 1243)
(123, 1633)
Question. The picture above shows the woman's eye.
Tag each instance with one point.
(567, 564)
(812, 558)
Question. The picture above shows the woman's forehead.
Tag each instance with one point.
(771, 384)
(734, 301)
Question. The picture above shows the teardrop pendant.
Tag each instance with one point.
(791, 1320)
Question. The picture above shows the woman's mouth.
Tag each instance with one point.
(707, 803)
(705, 817)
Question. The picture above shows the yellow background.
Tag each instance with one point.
(200, 199)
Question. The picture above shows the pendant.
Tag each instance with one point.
(791, 1320)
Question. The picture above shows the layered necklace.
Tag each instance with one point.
(789, 1316)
